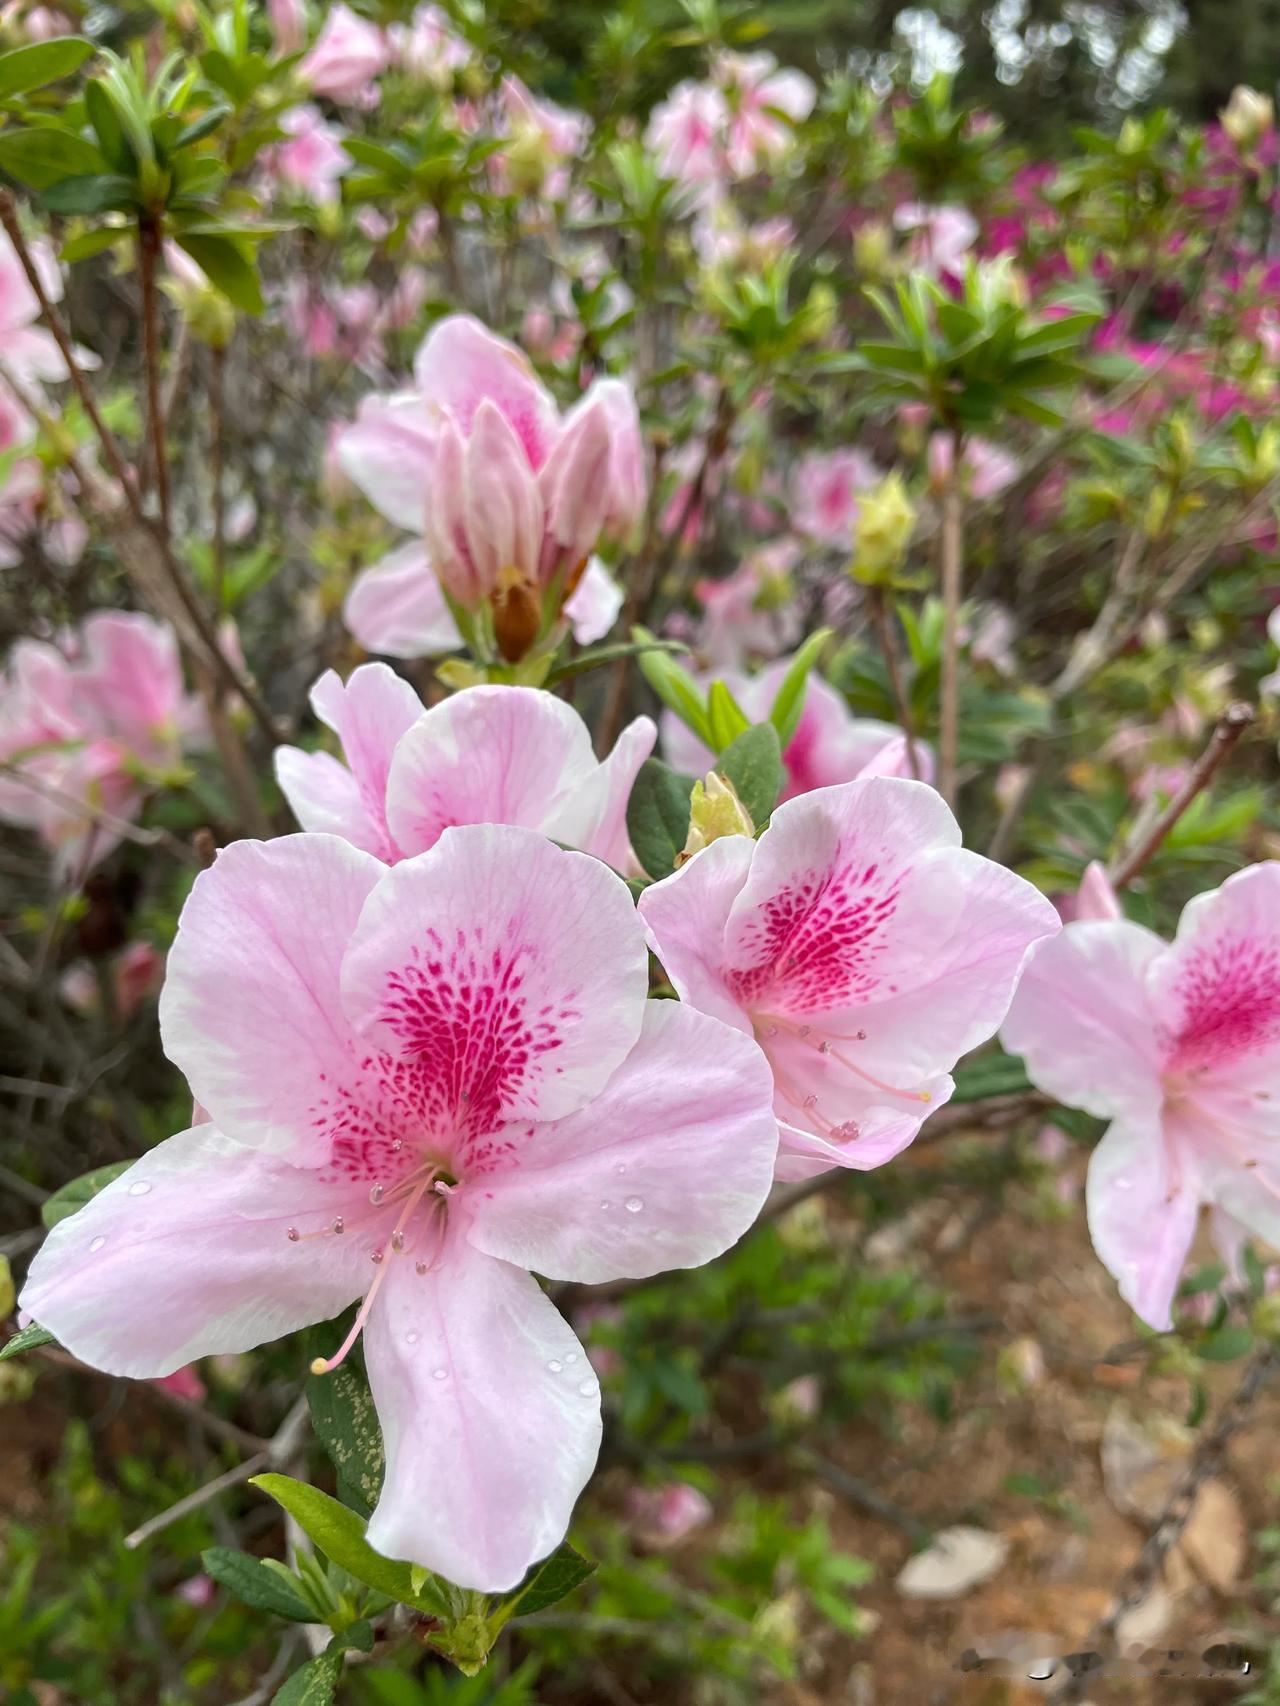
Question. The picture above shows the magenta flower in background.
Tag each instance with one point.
(1179, 1047)
(830, 744)
(824, 494)
(863, 948)
(484, 755)
(423, 1082)
(346, 58)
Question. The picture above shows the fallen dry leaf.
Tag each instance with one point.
(957, 1560)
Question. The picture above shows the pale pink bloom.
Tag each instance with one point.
(594, 605)
(801, 1399)
(478, 459)
(669, 1514)
(941, 237)
(1097, 899)
(1179, 1047)
(127, 683)
(30, 352)
(199, 1590)
(764, 103)
(863, 948)
(424, 1082)
(346, 58)
(484, 755)
(830, 744)
(288, 19)
(985, 469)
(184, 1383)
(428, 48)
(312, 158)
(553, 136)
(136, 974)
(824, 493)
(35, 23)
(991, 639)
(749, 613)
(721, 239)
(685, 134)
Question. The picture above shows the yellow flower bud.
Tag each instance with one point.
(882, 532)
(714, 811)
(1247, 116)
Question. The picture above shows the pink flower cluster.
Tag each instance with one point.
(736, 124)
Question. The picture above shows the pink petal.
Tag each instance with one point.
(1142, 1208)
(574, 483)
(594, 816)
(1096, 898)
(187, 1255)
(501, 966)
(490, 1416)
(504, 517)
(882, 1133)
(666, 1168)
(685, 916)
(1081, 1022)
(369, 715)
(323, 795)
(594, 605)
(250, 1010)
(445, 525)
(129, 679)
(397, 607)
(488, 755)
(462, 363)
(387, 452)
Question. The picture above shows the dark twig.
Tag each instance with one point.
(862, 1494)
(952, 546)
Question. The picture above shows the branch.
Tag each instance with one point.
(952, 578)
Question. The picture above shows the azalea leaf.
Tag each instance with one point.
(250, 1580)
(788, 704)
(994, 1074)
(316, 1683)
(41, 62)
(726, 719)
(227, 268)
(599, 655)
(43, 155)
(346, 1424)
(28, 1339)
(658, 816)
(339, 1533)
(673, 684)
(71, 1198)
(547, 1582)
(753, 763)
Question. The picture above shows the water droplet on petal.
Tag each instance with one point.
(570, 1358)
(633, 1205)
(555, 1366)
(140, 1189)
(411, 1338)
(621, 1167)
(339, 1225)
(293, 1235)
(605, 1203)
(96, 1245)
(586, 1387)
(439, 1374)
(375, 1194)
(376, 1256)
(1124, 1184)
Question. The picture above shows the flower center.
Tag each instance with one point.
(768, 1026)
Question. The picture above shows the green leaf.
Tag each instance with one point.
(788, 706)
(674, 686)
(339, 1533)
(753, 763)
(316, 1683)
(546, 1583)
(600, 655)
(250, 1580)
(42, 156)
(658, 816)
(41, 62)
(1226, 1344)
(346, 1424)
(96, 192)
(29, 1339)
(726, 719)
(89, 243)
(993, 1074)
(227, 268)
(80, 1191)
(201, 127)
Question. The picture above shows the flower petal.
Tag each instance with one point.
(1142, 1207)
(685, 916)
(250, 1009)
(1081, 1022)
(666, 1168)
(461, 363)
(387, 452)
(369, 714)
(323, 795)
(594, 604)
(187, 1255)
(508, 972)
(490, 1417)
(504, 516)
(594, 816)
(397, 606)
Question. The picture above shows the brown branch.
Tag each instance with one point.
(148, 255)
(952, 545)
(217, 421)
(1227, 731)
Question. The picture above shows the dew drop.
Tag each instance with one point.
(555, 1366)
(586, 1387)
(96, 1245)
(339, 1224)
(621, 1167)
(605, 1203)
(376, 1256)
(633, 1205)
(1124, 1184)
(293, 1235)
(376, 1194)
(397, 1241)
(570, 1358)
(397, 1143)
(439, 1374)
(140, 1189)
(411, 1338)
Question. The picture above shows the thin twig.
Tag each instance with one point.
(952, 579)
(148, 254)
(1227, 731)
(101, 818)
(862, 1494)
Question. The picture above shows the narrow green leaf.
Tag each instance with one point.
(674, 685)
(41, 62)
(788, 705)
(658, 816)
(316, 1683)
(227, 267)
(339, 1533)
(74, 1196)
(753, 763)
(726, 719)
(29, 1339)
(546, 1583)
(107, 128)
(994, 1074)
(201, 127)
(251, 1581)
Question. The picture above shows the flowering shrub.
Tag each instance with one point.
(830, 562)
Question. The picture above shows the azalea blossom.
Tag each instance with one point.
(423, 1083)
(311, 159)
(829, 745)
(824, 493)
(428, 48)
(30, 352)
(685, 134)
(484, 755)
(940, 237)
(985, 469)
(1178, 1046)
(346, 58)
(508, 495)
(863, 948)
(751, 612)
(763, 104)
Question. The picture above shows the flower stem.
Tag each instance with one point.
(952, 578)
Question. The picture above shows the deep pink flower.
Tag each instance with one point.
(862, 947)
(485, 755)
(1179, 1047)
(423, 1083)
(346, 58)
(824, 494)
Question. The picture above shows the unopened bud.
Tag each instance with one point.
(1247, 116)
(714, 811)
(882, 532)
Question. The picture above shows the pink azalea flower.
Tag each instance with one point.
(311, 159)
(667, 1515)
(824, 494)
(136, 974)
(862, 947)
(750, 613)
(830, 744)
(346, 58)
(424, 1082)
(478, 460)
(685, 135)
(30, 352)
(428, 48)
(184, 1383)
(1177, 1047)
(940, 237)
(985, 469)
(288, 20)
(484, 755)
(763, 104)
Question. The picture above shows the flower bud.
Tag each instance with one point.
(882, 531)
(1247, 116)
(714, 811)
